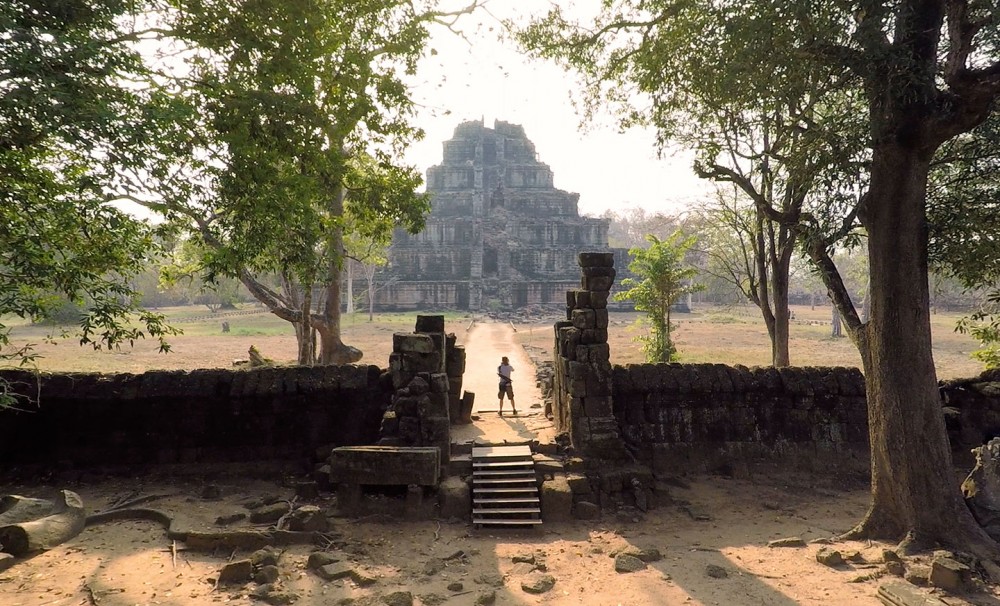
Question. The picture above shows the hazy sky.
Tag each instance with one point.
(488, 79)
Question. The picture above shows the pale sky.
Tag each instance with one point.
(489, 79)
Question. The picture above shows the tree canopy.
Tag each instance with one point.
(923, 72)
(64, 106)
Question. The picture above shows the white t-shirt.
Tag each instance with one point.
(504, 370)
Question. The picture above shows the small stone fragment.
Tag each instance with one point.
(895, 568)
(276, 597)
(523, 558)
(308, 518)
(266, 574)
(538, 583)
(6, 561)
(230, 519)
(486, 598)
(433, 566)
(628, 563)
(266, 556)
(239, 571)
(333, 572)
(490, 578)
(855, 557)
(320, 558)
(829, 557)
(787, 542)
(918, 575)
(454, 555)
(889, 555)
(362, 578)
(716, 572)
(821, 541)
(398, 598)
(268, 514)
(456, 586)
(949, 574)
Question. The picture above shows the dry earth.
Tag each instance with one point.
(711, 531)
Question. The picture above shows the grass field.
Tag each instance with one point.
(727, 336)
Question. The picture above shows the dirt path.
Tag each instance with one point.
(485, 344)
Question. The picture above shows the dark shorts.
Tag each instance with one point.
(506, 388)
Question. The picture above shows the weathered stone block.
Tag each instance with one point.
(429, 323)
(433, 405)
(583, 318)
(421, 362)
(439, 383)
(599, 299)
(557, 500)
(600, 318)
(600, 283)
(412, 343)
(385, 465)
(599, 406)
(598, 272)
(595, 259)
(592, 336)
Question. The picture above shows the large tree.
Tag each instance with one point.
(286, 117)
(926, 72)
(772, 133)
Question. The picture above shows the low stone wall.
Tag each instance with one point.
(191, 416)
(697, 417)
(972, 410)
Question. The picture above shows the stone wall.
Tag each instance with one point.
(582, 405)
(191, 416)
(972, 410)
(695, 417)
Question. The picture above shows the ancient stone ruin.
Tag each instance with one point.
(499, 235)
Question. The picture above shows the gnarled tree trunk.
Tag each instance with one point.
(914, 491)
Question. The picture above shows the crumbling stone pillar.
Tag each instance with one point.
(582, 381)
(419, 413)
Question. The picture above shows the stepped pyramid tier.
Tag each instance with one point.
(499, 235)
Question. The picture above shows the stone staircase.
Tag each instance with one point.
(504, 487)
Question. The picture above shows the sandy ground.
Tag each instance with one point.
(711, 531)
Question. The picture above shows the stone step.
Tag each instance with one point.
(504, 501)
(505, 521)
(525, 473)
(477, 464)
(493, 510)
(476, 480)
(484, 491)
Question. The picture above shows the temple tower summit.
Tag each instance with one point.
(499, 234)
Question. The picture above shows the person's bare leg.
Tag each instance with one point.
(501, 407)
(512, 407)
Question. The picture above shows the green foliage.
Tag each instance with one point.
(664, 279)
(984, 326)
(67, 123)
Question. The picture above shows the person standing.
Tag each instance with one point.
(506, 385)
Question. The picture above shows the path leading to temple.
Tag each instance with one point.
(485, 344)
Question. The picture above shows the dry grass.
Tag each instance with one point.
(727, 336)
(738, 336)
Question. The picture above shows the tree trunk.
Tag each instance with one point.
(332, 348)
(914, 491)
(370, 277)
(349, 264)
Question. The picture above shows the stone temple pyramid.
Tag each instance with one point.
(499, 234)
